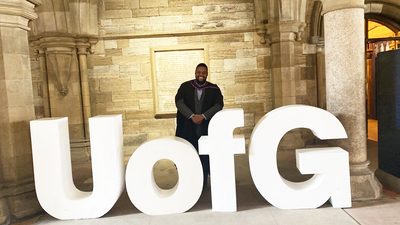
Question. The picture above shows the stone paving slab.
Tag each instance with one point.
(252, 209)
(385, 211)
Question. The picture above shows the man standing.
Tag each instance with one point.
(197, 102)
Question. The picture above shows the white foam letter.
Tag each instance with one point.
(222, 146)
(143, 191)
(55, 188)
(330, 166)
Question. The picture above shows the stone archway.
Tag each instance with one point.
(385, 11)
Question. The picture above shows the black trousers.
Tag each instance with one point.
(205, 162)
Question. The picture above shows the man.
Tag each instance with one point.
(197, 102)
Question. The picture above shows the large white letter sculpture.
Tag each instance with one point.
(55, 188)
(142, 188)
(330, 165)
(58, 195)
(221, 146)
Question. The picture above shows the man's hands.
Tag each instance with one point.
(197, 119)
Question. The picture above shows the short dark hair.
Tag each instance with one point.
(201, 65)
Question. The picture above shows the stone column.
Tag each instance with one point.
(282, 36)
(345, 87)
(17, 195)
(83, 47)
(64, 91)
(320, 71)
(67, 86)
(45, 83)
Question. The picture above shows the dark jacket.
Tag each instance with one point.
(211, 102)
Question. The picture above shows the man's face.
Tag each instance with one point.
(201, 74)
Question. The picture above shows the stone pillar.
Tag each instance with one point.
(320, 71)
(64, 65)
(282, 36)
(68, 90)
(83, 47)
(64, 91)
(17, 194)
(284, 30)
(345, 87)
(4, 212)
(45, 83)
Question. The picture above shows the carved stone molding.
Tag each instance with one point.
(66, 17)
(280, 20)
(17, 13)
(319, 42)
(285, 31)
(364, 184)
(59, 62)
(59, 55)
(329, 5)
(86, 45)
(64, 66)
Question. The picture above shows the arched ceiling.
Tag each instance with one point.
(385, 11)
(378, 30)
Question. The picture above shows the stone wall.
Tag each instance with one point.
(120, 69)
(119, 17)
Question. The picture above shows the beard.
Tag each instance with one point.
(200, 81)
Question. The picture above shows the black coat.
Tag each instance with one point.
(185, 128)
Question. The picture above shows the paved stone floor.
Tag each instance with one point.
(252, 209)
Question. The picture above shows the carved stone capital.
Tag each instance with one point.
(262, 32)
(85, 45)
(37, 50)
(56, 42)
(59, 53)
(319, 42)
(285, 31)
(17, 13)
(329, 5)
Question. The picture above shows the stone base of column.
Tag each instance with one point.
(4, 212)
(18, 202)
(364, 185)
(388, 180)
(24, 205)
